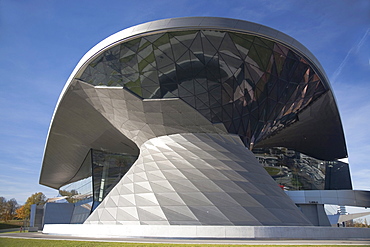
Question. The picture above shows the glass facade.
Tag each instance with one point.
(253, 85)
(102, 172)
(296, 171)
(107, 170)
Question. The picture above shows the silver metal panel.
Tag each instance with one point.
(205, 196)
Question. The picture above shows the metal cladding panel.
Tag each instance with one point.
(78, 127)
(208, 195)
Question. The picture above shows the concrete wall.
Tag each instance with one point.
(315, 213)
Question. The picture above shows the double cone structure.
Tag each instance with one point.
(190, 97)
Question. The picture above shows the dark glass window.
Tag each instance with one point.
(337, 176)
(296, 171)
(101, 172)
(225, 76)
(108, 169)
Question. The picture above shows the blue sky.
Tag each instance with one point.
(41, 42)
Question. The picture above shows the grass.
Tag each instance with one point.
(66, 243)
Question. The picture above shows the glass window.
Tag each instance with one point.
(193, 64)
(296, 171)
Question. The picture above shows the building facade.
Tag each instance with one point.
(197, 121)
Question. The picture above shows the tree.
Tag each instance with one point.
(7, 208)
(70, 195)
(21, 213)
(2, 207)
(37, 198)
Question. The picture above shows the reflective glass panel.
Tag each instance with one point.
(258, 82)
(296, 171)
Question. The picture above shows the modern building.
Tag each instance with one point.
(197, 122)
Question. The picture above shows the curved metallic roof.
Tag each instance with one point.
(317, 133)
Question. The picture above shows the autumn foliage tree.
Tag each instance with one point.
(10, 208)
(37, 198)
(21, 213)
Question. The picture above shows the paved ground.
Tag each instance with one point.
(39, 235)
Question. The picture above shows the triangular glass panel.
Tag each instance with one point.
(233, 64)
(253, 57)
(196, 47)
(146, 64)
(200, 86)
(185, 61)
(185, 37)
(183, 74)
(227, 112)
(126, 54)
(264, 55)
(300, 72)
(162, 42)
(291, 54)
(153, 37)
(237, 110)
(243, 45)
(162, 60)
(280, 49)
(133, 45)
(213, 68)
(196, 65)
(201, 101)
(215, 92)
(205, 112)
(151, 92)
(227, 92)
(264, 42)
(178, 49)
(166, 79)
(183, 91)
(144, 45)
(216, 115)
(169, 91)
(228, 47)
(149, 78)
(190, 100)
(252, 74)
(209, 50)
(214, 37)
